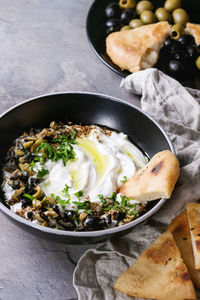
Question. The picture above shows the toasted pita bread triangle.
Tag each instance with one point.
(193, 213)
(137, 49)
(179, 227)
(158, 273)
(194, 29)
(156, 180)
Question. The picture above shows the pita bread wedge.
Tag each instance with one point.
(158, 273)
(156, 180)
(193, 213)
(194, 29)
(180, 230)
(137, 49)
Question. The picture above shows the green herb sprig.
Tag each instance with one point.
(60, 201)
(65, 149)
(41, 173)
(124, 179)
(65, 191)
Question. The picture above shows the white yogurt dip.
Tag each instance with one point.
(68, 177)
(100, 165)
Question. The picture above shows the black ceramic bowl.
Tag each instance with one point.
(96, 32)
(85, 108)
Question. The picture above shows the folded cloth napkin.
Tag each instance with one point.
(177, 110)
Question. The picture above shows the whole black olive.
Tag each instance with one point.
(193, 51)
(113, 25)
(113, 29)
(113, 22)
(176, 47)
(175, 68)
(186, 40)
(127, 15)
(178, 56)
(113, 10)
(168, 42)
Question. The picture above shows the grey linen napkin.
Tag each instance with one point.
(177, 110)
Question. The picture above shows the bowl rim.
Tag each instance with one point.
(114, 68)
(86, 234)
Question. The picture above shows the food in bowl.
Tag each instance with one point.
(139, 48)
(68, 176)
(136, 44)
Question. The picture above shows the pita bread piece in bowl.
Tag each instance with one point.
(156, 180)
(137, 49)
(97, 109)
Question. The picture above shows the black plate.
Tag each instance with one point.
(96, 32)
(82, 108)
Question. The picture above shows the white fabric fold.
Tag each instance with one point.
(177, 110)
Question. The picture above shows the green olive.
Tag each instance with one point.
(198, 63)
(143, 5)
(163, 15)
(135, 23)
(126, 27)
(176, 31)
(148, 17)
(127, 4)
(171, 5)
(180, 16)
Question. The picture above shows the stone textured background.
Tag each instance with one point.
(44, 49)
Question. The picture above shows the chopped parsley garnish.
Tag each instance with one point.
(79, 194)
(49, 150)
(60, 201)
(124, 179)
(28, 196)
(86, 205)
(122, 206)
(64, 150)
(73, 136)
(41, 173)
(32, 165)
(40, 158)
(133, 212)
(114, 205)
(101, 198)
(66, 190)
(113, 197)
(124, 201)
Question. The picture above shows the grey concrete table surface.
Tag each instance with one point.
(44, 49)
